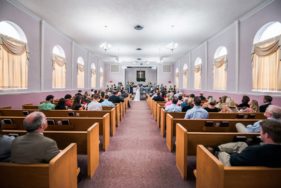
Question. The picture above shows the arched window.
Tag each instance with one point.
(80, 72)
(93, 76)
(266, 59)
(185, 76)
(101, 77)
(14, 57)
(219, 69)
(177, 77)
(59, 67)
(197, 73)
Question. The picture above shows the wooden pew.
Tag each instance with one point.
(159, 106)
(210, 172)
(67, 113)
(30, 106)
(65, 124)
(6, 107)
(202, 125)
(212, 115)
(117, 113)
(163, 115)
(87, 143)
(186, 143)
(61, 171)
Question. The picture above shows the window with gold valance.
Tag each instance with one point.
(14, 57)
(266, 65)
(197, 76)
(93, 78)
(220, 73)
(80, 75)
(185, 76)
(59, 72)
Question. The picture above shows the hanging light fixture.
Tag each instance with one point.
(105, 45)
(172, 46)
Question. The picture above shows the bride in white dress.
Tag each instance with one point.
(137, 96)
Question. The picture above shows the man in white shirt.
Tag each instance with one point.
(95, 105)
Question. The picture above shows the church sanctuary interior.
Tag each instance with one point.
(140, 93)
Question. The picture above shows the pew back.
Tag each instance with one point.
(212, 173)
(186, 143)
(201, 125)
(71, 124)
(61, 171)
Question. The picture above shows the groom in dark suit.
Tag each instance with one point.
(34, 147)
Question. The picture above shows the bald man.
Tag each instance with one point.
(34, 147)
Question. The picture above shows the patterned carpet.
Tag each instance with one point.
(137, 156)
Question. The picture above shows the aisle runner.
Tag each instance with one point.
(137, 156)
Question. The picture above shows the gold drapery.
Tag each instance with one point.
(197, 68)
(80, 67)
(185, 79)
(93, 78)
(59, 72)
(266, 65)
(14, 58)
(80, 76)
(220, 73)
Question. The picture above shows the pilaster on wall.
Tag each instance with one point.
(42, 23)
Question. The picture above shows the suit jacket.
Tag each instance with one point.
(5, 147)
(264, 107)
(33, 148)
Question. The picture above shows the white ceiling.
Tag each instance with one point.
(187, 22)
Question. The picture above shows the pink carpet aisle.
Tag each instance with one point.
(137, 156)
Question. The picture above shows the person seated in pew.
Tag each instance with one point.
(34, 147)
(5, 146)
(68, 100)
(77, 103)
(115, 98)
(106, 102)
(272, 112)
(211, 106)
(244, 103)
(61, 105)
(48, 104)
(158, 97)
(267, 101)
(173, 107)
(254, 107)
(187, 104)
(95, 105)
(197, 112)
(267, 154)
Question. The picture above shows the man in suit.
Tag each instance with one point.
(34, 147)
(5, 146)
(267, 101)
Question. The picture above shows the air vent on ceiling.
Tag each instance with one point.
(138, 49)
(138, 27)
(166, 68)
(114, 68)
